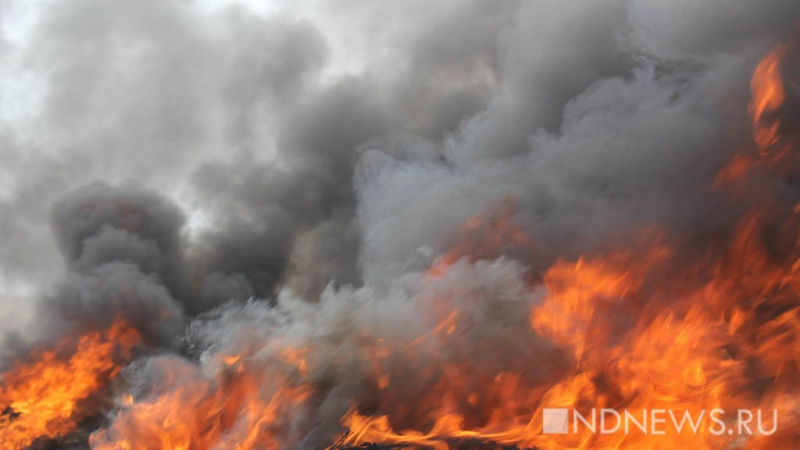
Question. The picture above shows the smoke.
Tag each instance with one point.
(400, 328)
(618, 137)
(123, 254)
(284, 179)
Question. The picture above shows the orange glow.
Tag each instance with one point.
(228, 410)
(696, 349)
(578, 291)
(769, 94)
(486, 235)
(42, 394)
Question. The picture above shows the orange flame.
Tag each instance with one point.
(42, 394)
(693, 352)
(769, 94)
(226, 410)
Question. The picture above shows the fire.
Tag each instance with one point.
(486, 235)
(42, 394)
(226, 410)
(768, 97)
(769, 94)
(645, 329)
(581, 290)
(634, 350)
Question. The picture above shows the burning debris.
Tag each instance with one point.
(613, 227)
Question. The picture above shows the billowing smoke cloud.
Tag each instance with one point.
(254, 122)
(299, 171)
(623, 131)
(123, 254)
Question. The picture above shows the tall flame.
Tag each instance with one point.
(42, 394)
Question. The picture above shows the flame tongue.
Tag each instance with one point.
(767, 109)
(42, 394)
(769, 94)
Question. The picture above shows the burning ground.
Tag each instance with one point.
(569, 205)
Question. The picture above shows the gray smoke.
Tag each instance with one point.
(123, 252)
(254, 122)
(340, 337)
